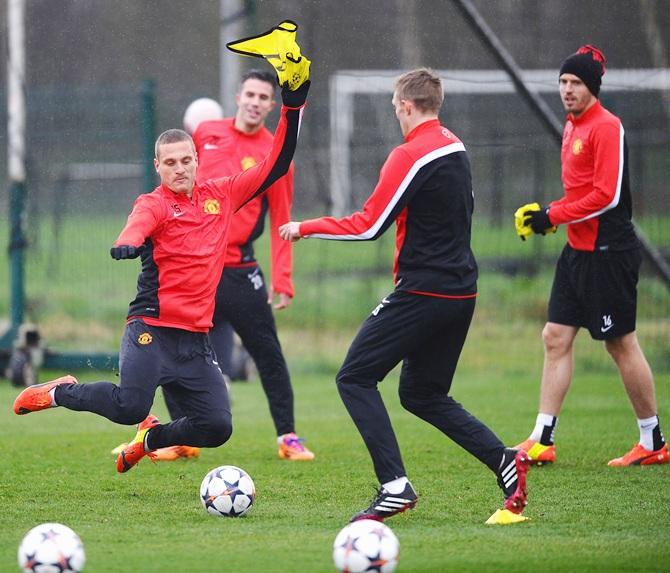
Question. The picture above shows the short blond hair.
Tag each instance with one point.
(423, 88)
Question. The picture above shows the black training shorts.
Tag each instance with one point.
(596, 290)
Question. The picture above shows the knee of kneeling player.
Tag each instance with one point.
(132, 414)
(216, 431)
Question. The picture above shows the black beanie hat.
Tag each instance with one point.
(588, 64)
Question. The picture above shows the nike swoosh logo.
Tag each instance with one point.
(178, 215)
(605, 328)
(210, 146)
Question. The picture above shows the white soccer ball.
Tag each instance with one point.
(227, 491)
(202, 109)
(366, 545)
(51, 548)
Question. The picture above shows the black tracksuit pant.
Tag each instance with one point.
(242, 302)
(427, 334)
(183, 363)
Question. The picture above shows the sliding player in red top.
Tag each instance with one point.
(425, 188)
(181, 232)
(595, 285)
(243, 304)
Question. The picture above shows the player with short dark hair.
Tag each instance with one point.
(180, 230)
(425, 188)
(595, 282)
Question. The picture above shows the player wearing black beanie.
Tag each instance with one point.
(588, 64)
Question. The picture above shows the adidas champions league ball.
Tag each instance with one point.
(227, 491)
(366, 545)
(51, 548)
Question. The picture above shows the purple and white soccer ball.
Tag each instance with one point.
(366, 545)
(227, 491)
(51, 548)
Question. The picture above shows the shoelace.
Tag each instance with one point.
(294, 442)
(379, 494)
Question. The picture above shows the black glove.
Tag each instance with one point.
(295, 98)
(126, 252)
(538, 220)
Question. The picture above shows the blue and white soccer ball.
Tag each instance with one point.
(366, 545)
(227, 491)
(51, 548)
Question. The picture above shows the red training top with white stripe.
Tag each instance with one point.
(425, 187)
(186, 239)
(225, 150)
(597, 204)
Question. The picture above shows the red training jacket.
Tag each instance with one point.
(186, 239)
(425, 187)
(597, 203)
(225, 150)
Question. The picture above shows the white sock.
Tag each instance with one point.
(52, 393)
(647, 426)
(396, 486)
(544, 423)
(145, 444)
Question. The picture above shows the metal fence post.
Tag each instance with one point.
(148, 123)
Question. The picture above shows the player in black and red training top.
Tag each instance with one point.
(425, 188)
(226, 146)
(181, 232)
(595, 284)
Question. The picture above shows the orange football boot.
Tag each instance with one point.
(37, 397)
(639, 456)
(538, 453)
(134, 451)
(172, 453)
(291, 448)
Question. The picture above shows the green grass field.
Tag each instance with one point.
(584, 515)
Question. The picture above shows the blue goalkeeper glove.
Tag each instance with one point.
(126, 252)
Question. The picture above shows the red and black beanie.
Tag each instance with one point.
(588, 64)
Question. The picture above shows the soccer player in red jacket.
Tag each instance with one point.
(425, 188)
(180, 230)
(595, 283)
(226, 146)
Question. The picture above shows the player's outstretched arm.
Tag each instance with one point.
(290, 231)
(125, 252)
(143, 219)
(244, 186)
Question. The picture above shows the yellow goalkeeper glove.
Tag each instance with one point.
(279, 48)
(532, 218)
(524, 231)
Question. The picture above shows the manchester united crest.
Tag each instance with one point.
(145, 338)
(247, 162)
(212, 207)
(577, 146)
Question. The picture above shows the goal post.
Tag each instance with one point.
(346, 84)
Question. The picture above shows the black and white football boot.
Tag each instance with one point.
(512, 479)
(387, 504)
